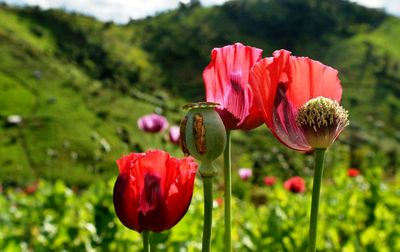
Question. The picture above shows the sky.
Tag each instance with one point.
(121, 11)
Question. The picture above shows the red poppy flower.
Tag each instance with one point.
(269, 180)
(153, 190)
(226, 82)
(295, 184)
(284, 83)
(352, 172)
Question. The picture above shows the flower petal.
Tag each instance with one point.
(310, 79)
(226, 82)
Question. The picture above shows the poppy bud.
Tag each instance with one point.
(203, 135)
(322, 120)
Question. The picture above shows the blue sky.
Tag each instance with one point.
(121, 11)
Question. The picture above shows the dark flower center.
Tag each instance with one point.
(235, 79)
(151, 197)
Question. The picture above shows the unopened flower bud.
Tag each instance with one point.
(203, 135)
(322, 120)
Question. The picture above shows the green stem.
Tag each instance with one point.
(208, 204)
(319, 169)
(146, 243)
(228, 193)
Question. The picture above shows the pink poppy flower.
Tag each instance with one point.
(152, 123)
(245, 173)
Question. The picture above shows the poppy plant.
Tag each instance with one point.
(152, 123)
(153, 190)
(226, 82)
(203, 136)
(299, 98)
(295, 184)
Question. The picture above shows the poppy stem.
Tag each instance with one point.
(228, 192)
(146, 240)
(319, 169)
(208, 204)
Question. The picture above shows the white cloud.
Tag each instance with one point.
(390, 6)
(122, 10)
(118, 10)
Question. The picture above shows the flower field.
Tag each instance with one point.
(359, 213)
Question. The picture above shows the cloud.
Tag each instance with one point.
(121, 11)
(117, 10)
(390, 6)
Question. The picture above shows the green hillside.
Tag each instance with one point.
(72, 119)
(80, 84)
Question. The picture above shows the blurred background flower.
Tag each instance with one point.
(295, 185)
(353, 172)
(152, 123)
(269, 180)
(245, 173)
(174, 134)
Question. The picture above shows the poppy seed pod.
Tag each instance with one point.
(322, 120)
(203, 135)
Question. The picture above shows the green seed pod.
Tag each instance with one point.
(203, 135)
(322, 120)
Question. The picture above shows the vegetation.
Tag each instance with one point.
(80, 85)
(357, 214)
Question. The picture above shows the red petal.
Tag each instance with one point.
(226, 79)
(255, 117)
(126, 202)
(181, 191)
(125, 162)
(310, 79)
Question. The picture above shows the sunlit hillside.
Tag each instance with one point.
(80, 85)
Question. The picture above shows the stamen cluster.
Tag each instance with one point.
(322, 112)
(321, 120)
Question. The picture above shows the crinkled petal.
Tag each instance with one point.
(310, 79)
(226, 82)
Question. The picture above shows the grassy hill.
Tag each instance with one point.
(80, 84)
